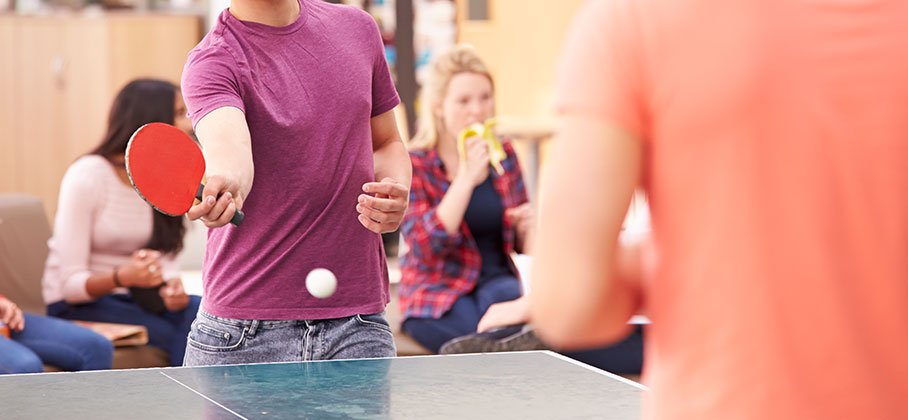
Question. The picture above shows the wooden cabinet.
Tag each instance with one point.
(521, 41)
(8, 79)
(58, 76)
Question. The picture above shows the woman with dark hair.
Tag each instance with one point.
(110, 250)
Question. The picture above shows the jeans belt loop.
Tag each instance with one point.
(253, 327)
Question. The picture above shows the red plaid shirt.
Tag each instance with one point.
(441, 267)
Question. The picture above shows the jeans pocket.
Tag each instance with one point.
(374, 321)
(211, 335)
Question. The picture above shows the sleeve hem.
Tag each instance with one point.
(74, 290)
(447, 239)
(226, 104)
(385, 106)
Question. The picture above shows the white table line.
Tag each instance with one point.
(204, 396)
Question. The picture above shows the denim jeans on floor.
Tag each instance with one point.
(167, 331)
(623, 357)
(55, 342)
(464, 316)
(215, 340)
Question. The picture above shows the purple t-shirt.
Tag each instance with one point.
(308, 91)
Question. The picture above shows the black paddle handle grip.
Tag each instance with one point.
(238, 217)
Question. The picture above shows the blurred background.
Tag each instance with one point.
(62, 61)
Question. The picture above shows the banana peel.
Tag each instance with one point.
(484, 131)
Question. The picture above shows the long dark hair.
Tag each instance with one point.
(141, 102)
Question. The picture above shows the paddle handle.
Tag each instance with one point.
(238, 217)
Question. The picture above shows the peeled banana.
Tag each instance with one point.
(484, 130)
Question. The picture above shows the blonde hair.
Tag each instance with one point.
(460, 59)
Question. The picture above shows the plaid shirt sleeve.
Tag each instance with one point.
(513, 192)
(516, 192)
(421, 226)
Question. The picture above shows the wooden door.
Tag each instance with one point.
(58, 77)
(87, 92)
(151, 46)
(41, 65)
(9, 181)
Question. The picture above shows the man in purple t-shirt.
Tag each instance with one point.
(300, 91)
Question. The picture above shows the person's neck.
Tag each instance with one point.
(118, 159)
(276, 13)
(118, 162)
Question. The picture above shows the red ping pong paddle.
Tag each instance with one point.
(165, 166)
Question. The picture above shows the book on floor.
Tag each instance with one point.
(121, 335)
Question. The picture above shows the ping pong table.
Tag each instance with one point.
(522, 385)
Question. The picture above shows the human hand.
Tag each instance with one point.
(221, 200)
(11, 315)
(474, 167)
(143, 270)
(174, 295)
(383, 211)
(522, 218)
(503, 314)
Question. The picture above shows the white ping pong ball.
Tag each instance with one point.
(321, 283)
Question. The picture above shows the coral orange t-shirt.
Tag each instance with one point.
(776, 162)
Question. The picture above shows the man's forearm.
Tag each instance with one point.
(235, 160)
(393, 161)
(227, 146)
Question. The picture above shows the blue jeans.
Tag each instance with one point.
(167, 331)
(462, 319)
(54, 342)
(215, 340)
(623, 357)
(464, 316)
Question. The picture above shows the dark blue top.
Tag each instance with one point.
(485, 219)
